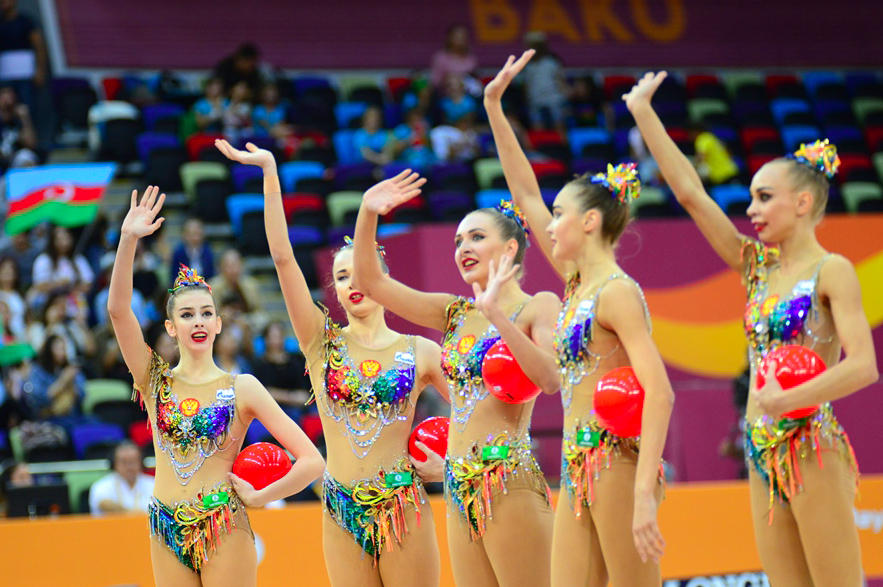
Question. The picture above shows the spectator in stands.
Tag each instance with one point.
(232, 283)
(23, 248)
(372, 141)
(209, 110)
(456, 103)
(237, 115)
(193, 251)
(457, 58)
(713, 160)
(23, 49)
(111, 364)
(10, 295)
(412, 140)
(99, 301)
(18, 137)
(648, 170)
(61, 268)
(55, 385)
(586, 102)
(126, 488)
(545, 85)
(59, 321)
(163, 344)
(228, 353)
(282, 372)
(457, 141)
(242, 66)
(271, 115)
(15, 474)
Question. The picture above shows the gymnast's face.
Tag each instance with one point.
(194, 322)
(351, 300)
(568, 226)
(479, 241)
(776, 206)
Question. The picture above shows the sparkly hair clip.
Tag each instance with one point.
(510, 209)
(622, 181)
(348, 242)
(820, 155)
(188, 277)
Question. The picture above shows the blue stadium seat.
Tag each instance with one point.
(242, 173)
(792, 136)
(85, 435)
(292, 171)
(305, 236)
(346, 112)
(393, 228)
(240, 204)
(781, 107)
(813, 79)
(728, 194)
(581, 137)
(152, 113)
(345, 148)
(148, 141)
(490, 198)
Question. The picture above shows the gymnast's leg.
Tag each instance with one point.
(347, 564)
(416, 561)
(469, 562)
(576, 548)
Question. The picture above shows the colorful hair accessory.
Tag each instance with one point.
(622, 181)
(348, 242)
(511, 209)
(188, 277)
(820, 155)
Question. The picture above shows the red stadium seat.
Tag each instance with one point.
(696, 80)
(755, 162)
(541, 138)
(302, 205)
(112, 87)
(544, 168)
(678, 134)
(196, 143)
(615, 85)
(398, 86)
(752, 134)
(874, 136)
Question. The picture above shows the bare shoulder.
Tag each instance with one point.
(836, 273)
(247, 385)
(543, 300)
(620, 288)
(424, 345)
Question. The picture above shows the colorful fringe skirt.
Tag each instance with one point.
(585, 452)
(373, 510)
(774, 448)
(192, 529)
(472, 482)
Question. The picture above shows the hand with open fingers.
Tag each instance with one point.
(497, 86)
(389, 193)
(141, 220)
(432, 470)
(252, 155)
(245, 490)
(642, 92)
(648, 538)
(487, 300)
(769, 397)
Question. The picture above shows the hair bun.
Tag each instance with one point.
(622, 181)
(510, 209)
(348, 243)
(188, 277)
(820, 155)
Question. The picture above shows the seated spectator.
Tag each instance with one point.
(241, 66)
(55, 386)
(15, 474)
(372, 141)
(648, 170)
(545, 85)
(237, 114)
(457, 142)
(99, 302)
(232, 283)
(228, 353)
(193, 251)
(456, 103)
(270, 116)
(10, 296)
(164, 345)
(59, 268)
(413, 140)
(713, 160)
(58, 320)
(24, 248)
(18, 138)
(110, 357)
(456, 58)
(586, 100)
(209, 110)
(126, 488)
(282, 373)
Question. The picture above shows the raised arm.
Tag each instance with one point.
(533, 351)
(680, 175)
(140, 221)
(425, 309)
(308, 465)
(519, 174)
(623, 313)
(429, 366)
(306, 318)
(839, 285)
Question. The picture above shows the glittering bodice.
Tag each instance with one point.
(772, 320)
(573, 335)
(359, 393)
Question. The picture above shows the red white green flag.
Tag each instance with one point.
(65, 194)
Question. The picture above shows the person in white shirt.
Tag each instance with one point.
(126, 489)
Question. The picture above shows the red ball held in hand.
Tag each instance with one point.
(504, 378)
(619, 401)
(261, 463)
(795, 364)
(433, 432)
